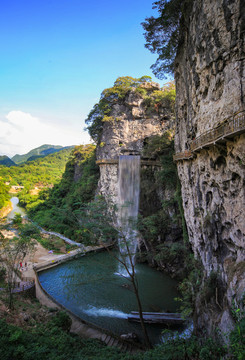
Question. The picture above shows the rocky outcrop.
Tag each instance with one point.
(210, 85)
(131, 124)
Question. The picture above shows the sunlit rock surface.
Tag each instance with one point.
(210, 86)
(127, 134)
(133, 123)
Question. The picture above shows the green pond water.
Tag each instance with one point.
(92, 288)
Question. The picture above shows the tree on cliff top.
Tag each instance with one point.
(164, 33)
(153, 98)
(109, 96)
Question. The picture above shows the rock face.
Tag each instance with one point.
(210, 85)
(133, 123)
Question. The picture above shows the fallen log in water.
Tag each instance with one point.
(157, 318)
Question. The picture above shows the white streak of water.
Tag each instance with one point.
(93, 311)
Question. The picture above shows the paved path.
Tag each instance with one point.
(68, 241)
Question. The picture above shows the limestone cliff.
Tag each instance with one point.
(132, 126)
(210, 85)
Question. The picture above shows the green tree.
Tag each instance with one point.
(17, 220)
(12, 251)
(4, 195)
(55, 208)
(109, 96)
(164, 33)
(97, 221)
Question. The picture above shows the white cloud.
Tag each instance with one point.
(22, 132)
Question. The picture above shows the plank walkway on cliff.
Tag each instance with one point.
(234, 125)
(143, 162)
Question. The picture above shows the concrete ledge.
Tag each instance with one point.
(61, 259)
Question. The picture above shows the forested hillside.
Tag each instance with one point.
(43, 171)
(35, 175)
(55, 207)
(5, 160)
(40, 151)
(4, 196)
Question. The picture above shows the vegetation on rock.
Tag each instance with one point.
(152, 100)
(102, 109)
(164, 33)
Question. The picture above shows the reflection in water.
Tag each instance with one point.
(90, 288)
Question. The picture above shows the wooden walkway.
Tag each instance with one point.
(143, 162)
(157, 318)
(233, 126)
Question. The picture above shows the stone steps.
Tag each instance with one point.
(122, 345)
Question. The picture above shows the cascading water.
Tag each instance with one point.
(128, 207)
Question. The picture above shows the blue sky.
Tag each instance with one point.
(56, 58)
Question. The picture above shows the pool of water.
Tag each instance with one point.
(93, 289)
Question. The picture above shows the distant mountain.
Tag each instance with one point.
(5, 160)
(42, 172)
(41, 151)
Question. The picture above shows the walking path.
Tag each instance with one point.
(233, 126)
(68, 241)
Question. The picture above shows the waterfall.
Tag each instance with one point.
(128, 204)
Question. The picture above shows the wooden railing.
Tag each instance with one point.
(186, 155)
(232, 126)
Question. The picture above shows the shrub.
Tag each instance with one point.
(17, 220)
(61, 320)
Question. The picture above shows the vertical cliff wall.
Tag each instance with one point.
(210, 87)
